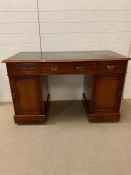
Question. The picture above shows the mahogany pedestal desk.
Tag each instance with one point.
(104, 74)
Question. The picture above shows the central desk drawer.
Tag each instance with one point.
(23, 68)
(66, 68)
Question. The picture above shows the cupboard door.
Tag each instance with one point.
(107, 93)
(26, 95)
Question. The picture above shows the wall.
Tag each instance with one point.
(18, 32)
(64, 26)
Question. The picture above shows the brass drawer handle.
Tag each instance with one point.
(110, 67)
(80, 68)
(54, 68)
(24, 68)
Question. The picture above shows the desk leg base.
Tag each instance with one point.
(104, 117)
(28, 119)
(101, 116)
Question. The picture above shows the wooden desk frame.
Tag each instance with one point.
(103, 84)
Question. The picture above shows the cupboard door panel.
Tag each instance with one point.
(27, 95)
(108, 91)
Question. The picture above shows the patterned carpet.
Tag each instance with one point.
(67, 145)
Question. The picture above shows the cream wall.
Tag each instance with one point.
(65, 26)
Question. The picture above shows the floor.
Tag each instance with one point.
(67, 145)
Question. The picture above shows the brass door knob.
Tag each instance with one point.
(14, 95)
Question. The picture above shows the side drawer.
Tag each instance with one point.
(111, 66)
(23, 68)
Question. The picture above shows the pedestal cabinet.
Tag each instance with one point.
(28, 99)
(105, 97)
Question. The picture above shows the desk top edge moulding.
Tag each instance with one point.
(66, 56)
(104, 75)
